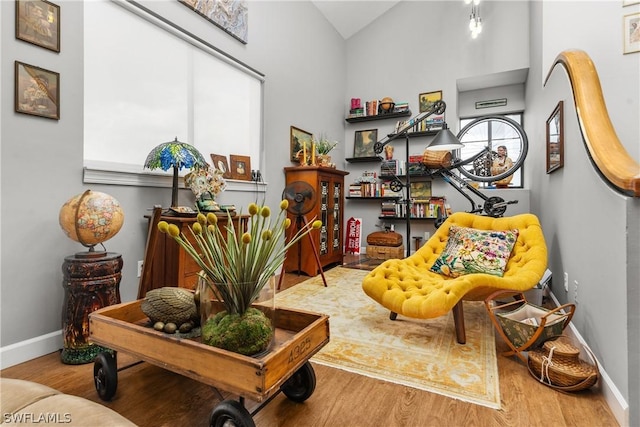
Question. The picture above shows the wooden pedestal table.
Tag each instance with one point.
(285, 367)
(90, 283)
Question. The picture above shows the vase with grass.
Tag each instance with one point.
(323, 148)
(236, 292)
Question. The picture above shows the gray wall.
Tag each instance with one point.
(592, 232)
(301, 55)
(418, 53)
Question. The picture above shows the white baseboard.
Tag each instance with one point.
(619, 407)
(24, 351)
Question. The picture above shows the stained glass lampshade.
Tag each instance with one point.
(176, 155)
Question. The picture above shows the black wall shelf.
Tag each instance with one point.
(364, 159)
(378, 117)
(374, 198)
(403, 218)
(419, 134)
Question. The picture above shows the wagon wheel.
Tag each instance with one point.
(105, 375)
(230, 413)
(301, 384)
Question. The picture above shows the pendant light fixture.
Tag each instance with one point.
(475, 22)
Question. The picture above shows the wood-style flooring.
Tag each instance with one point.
(151, 396)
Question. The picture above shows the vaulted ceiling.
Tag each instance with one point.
(349, 17)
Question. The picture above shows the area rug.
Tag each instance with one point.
(417, 353)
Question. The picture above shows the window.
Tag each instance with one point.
(493, 135)
(148, 81)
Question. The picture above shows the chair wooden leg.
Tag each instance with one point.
(458, 320)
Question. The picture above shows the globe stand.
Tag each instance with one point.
(90, 283)
(92, 253)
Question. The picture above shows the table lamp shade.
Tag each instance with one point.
(176, 155)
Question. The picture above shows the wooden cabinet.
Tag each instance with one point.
(171, 265)
(328, 186)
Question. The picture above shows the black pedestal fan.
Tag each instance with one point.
(302, 199)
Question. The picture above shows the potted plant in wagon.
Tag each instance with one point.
(236, 268)
(323, 148)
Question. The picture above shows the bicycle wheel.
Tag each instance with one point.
(482, 139)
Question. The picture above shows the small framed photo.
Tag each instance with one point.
(631, 36)
(240, 167)
(555, 139)
(426, 101)
(38, 22)
(37, 91)
(220, 163)
(300, 139)
(363, 143)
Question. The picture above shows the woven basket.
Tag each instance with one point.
(558, 365)
(436, 159)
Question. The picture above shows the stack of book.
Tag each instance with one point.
(389, 209)
(392, 167)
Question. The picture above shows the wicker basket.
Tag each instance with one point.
(436, 159)
(558, 365)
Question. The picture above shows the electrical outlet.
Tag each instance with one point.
(140, 264)
(575, 291)
(566, 281)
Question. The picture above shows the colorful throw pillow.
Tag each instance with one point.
(470, 250)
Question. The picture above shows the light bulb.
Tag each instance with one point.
(474, 35)
(472, 23)
(476, 2)
(479, 25)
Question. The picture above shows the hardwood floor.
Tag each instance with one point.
(151, 396)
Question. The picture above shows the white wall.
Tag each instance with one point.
(301, 55)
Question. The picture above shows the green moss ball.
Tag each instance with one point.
(249, 333)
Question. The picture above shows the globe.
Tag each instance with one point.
(91, 218)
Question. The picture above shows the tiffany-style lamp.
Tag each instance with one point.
(176, 155)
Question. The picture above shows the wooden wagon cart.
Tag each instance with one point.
(286, 367)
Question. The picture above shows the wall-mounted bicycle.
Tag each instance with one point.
(493, 148)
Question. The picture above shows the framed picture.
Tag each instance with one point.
(425, 101)
(555, 139)
(37, 91)
(231, 16)
(631, 36)
(38, 22)
(299, 140)
(240, 167)
(220, 163)
(363, 143)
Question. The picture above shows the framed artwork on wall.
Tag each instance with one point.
(363, 143)
(240, 167)
(220, 163)
(230, 15)
(300, 139)
(555, 139)
(425, 101)
(38, 22)
(631, 35)
(37, 91)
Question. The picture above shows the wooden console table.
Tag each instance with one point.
(170, 264)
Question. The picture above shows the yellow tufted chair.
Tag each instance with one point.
(408, 287)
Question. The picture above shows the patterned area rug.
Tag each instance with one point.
(417, 353)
